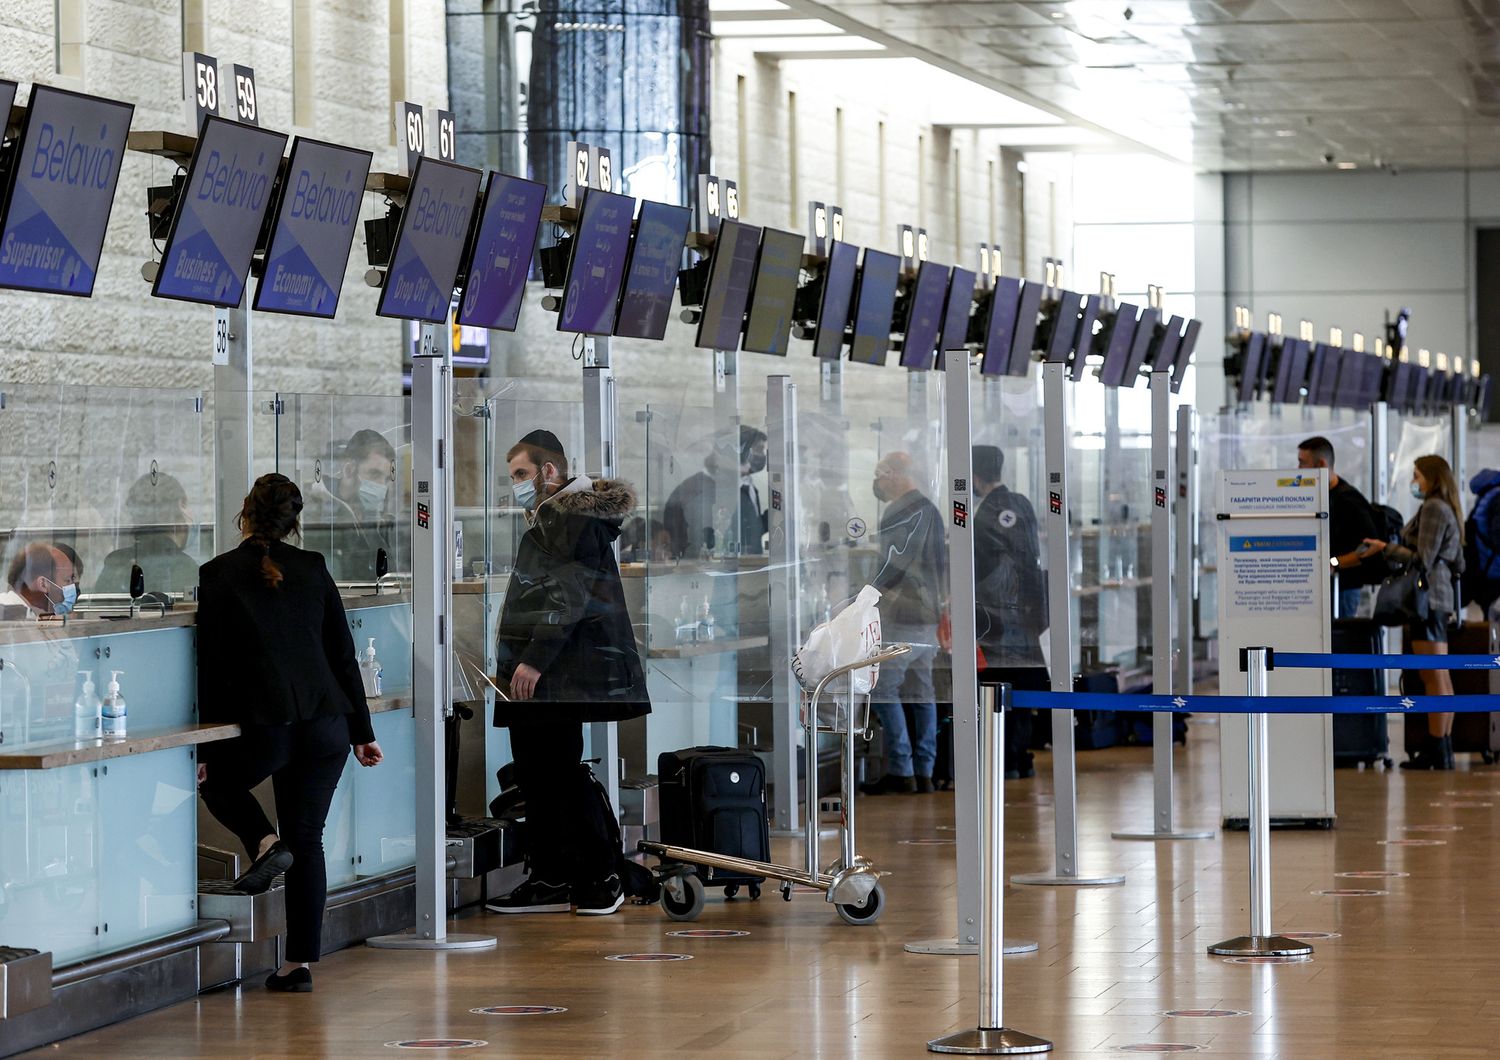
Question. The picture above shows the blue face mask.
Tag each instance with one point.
(372, 495)
(525, 493)
(70, 597)
(1416, 491)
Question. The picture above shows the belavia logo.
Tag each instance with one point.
(1407, 703)
(1297, 482)
(1178, 702)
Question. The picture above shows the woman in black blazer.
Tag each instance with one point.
(276, 657)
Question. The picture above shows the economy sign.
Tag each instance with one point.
(63, 181)
(315, 220)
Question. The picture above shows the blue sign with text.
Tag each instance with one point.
(430, 242)
(220, 210)
(63, 181)
(315, 220)
(502, 251)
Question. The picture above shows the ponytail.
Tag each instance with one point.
(270, 513)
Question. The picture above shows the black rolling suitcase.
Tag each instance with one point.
(714, 799)
(1473, 732)
(1094, 730)
(1359, 738)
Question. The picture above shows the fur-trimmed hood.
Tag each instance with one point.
(609, 499)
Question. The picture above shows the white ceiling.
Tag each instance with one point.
(1223, 84)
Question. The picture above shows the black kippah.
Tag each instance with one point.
(544, 440)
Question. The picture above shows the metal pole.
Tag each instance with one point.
(786, 617)
(1060, 599)
(992, 1037)
(1186, 579)
(846, 787)
(1459, 416)
(233, 426)
(432, 680)
(600, 461)
(1162, 577)
(1261, 942)
(1380, 455)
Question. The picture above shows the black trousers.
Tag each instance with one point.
(304, 761)
(564, 842)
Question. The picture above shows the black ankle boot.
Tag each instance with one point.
(1446, 749)
(1430, 755)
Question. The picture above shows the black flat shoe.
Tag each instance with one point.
(298, 982)
(257, 879)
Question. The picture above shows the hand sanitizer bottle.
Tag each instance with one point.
(112, 711)
(371, 672)
(87, 724)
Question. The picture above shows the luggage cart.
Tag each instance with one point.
(852, 884)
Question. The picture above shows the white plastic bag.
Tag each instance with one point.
(851, 635)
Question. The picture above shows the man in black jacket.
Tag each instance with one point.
(913, 580)
(689, 514)
(1010, 595)
(1350, 522)
(568, 651)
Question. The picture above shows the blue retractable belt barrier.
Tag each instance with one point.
(1302, 660)
(1254, 704)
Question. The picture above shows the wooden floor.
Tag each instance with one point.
(1414, 972)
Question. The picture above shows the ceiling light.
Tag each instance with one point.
(1346, 165)
(1286, 132)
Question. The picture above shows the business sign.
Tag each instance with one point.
(1275, 591)
(219, 214)
(430, 242)
(62, 185)
(315, 218)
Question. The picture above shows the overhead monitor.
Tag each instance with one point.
(500, 253)
(731, 271)
(956, 312)
(220, 210)
(430, 242)
(924, 316)
(1397, 384)
(1317, 364)
(1419, 383)
(1251, 367)
(1291, 371)
(768, 326)
(1185, 353)
(56, 204)
(839, 274)
(1140, 346)
(1064, 326)
(1083, 342)
(1375, 367)
(1483, 397)
(1028, 315)
(316, 212)
(596, 264)
(874, 303)
(1116, 340)
(1348, 376)
(1161, 352)
(1003, 304)
(651, 271)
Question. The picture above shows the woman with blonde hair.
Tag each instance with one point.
(1435, 538)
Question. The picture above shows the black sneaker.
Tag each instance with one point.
(601, 899)
(257, 879)
(298, 981)
(924, 786)
(533, 896)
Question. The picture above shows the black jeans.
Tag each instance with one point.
(304, 761)
(564, 844)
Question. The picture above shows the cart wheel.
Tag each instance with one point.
(786, 890)
(868, 913)
(690, 906)
(755, 892)
(731, 890)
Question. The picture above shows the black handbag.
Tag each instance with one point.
(1402, 599)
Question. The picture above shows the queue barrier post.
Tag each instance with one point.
(991, 1037)
(1262, 940)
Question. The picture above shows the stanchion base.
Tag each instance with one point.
(1001, 1041)
(410, 940)
(1261, 946)
(1162, 835)
(1052, 879)
(951, 947)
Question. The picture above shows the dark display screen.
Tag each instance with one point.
(731, 271)
(1145, 335)
(1027, 317)
(315, 217)
(838, 298)
(596, 263)
(220, 210)
(1185, 353)
(1322, 369)
(63, 176)
(1163, 352)
(500, 256)
(873, 306)
(1250, 370)
(1064, 326)
(1083, 343)
(1291, 371)
(1000, 325)
(430, 242)
(1396, 383)
(956, 312)
(1349, 377)
(1374, 375)
(651, 275)
(1118, 338)
(924, 316)
(768, 326)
